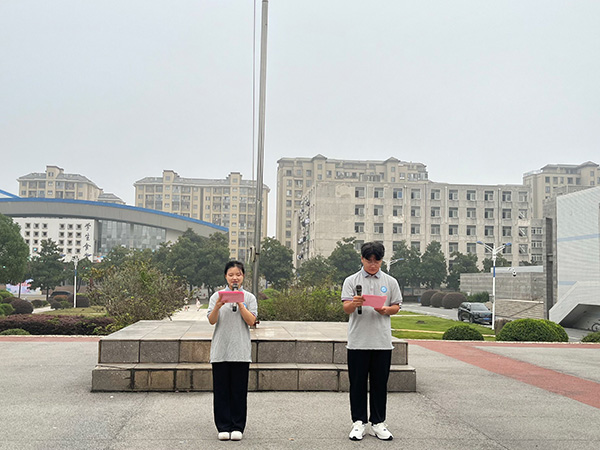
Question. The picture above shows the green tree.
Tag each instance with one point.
(47, 268)
(213, 257)
(433, 269)
(501, 261)
(460, 264)
(344, 259)
(136, 290)
(14, 252)
(407, 268)
(275, 263)
(315, 272)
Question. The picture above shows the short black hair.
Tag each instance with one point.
(369, 249)
(233, 263)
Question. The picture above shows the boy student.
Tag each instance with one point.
(370, 341)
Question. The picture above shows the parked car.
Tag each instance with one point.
(474, 313)
(57, 293)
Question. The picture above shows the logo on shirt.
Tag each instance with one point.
(383, 289)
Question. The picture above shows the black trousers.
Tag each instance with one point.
(230, 395)
(373, 365)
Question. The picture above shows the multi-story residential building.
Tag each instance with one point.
(55, 183)
(418, 213)
(230, 203)
(295, 176)
(556, 179)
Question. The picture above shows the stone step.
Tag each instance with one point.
(128, 377)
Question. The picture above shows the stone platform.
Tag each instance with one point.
(287, 356)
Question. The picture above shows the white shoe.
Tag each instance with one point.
(381, 432)
(236, 435)
(358, 431)
(224, 436)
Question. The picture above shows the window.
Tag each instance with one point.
(471, 195)
(523, 250)
(415, 245)
(397, 228)
(359, 227)
(506, 231)
(488, 230)
(523, 196)
(397, 193)
(471, 248)
(507, 250)
(488, 213)
(452, 247)
(506, 213)
(308, 173)
(378, 228)
(471, 213)
(452, 194)
(359, 210)
(378, 210)
(415, 194)
(453, 213)
(523, 231)
(536, 244)
(415, 228)
(435, 229)
(435, 211)
(488, 196)
(522, 214)
(435, 194)
(506, 196)
(471, 230)
(415, 211)
(452, 230)
(359, 192)
(536, 230)
(397, 211)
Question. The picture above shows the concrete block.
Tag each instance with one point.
(278, 379)
(111, 351)
(402, 379)
(109, 379)
(183, 380)
(340, 353)
(253, 379)
(314, 352)
(202, 379)
(318, 380)
(276, 352)
(194, 351)
(400, 353)
(254, 350)
(159, 351)
(153, 380)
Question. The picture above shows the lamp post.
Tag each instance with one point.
(393, 261)
(75, 261)
(494, 251)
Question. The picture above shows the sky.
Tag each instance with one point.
(118, 90)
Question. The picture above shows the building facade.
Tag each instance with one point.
(230, 203)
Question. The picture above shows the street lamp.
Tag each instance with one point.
(393, 261)
(494, 251)
(75, 261)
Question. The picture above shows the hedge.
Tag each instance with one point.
(592, 337)
(61, 325)
(462, 332)
(15, 331)
(436, 299)
(532, 330)
(453, 300)
(426, 298)
(479, 297)
(21, 306)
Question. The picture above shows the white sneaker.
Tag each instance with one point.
(236, 435)
(224, 436)
(358, 431)
(381, 432)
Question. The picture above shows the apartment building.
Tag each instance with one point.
(457, 216)
(55, 183)
(557, 179)
(229, 202)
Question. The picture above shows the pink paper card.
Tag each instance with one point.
(375, 301)
(231, 296)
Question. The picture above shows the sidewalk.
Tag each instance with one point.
(469, 396)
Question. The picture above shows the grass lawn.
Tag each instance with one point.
(408, 325)
(92, 311)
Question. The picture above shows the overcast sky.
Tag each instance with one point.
(479, 91)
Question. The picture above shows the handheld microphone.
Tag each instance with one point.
(359, 293)
(234, 287)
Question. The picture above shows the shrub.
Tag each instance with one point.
(55, 305)
(462, 332)
(592, 337)
(60, 298)
(6, 309)
(266, 310)
(299, 304)
(479, 297)
(530, 330)
(453, 300)
(8, 299)
(500, 322)
(436, 299)
(66, 304)
(61, 325)
(426, 297)
(82, 300)
(38, 303)
(4, 293)
(22, 306)
(560, 331)
(14, 331)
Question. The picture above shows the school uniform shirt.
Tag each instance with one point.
(231, 338)
(371, 330)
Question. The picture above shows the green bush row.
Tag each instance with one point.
(60, 325)
(303, 305)
(447, 300)
(532, 330)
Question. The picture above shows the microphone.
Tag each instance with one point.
(234, 287)
(359, 293)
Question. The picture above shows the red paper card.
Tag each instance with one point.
(231, 296)
(375, 301)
